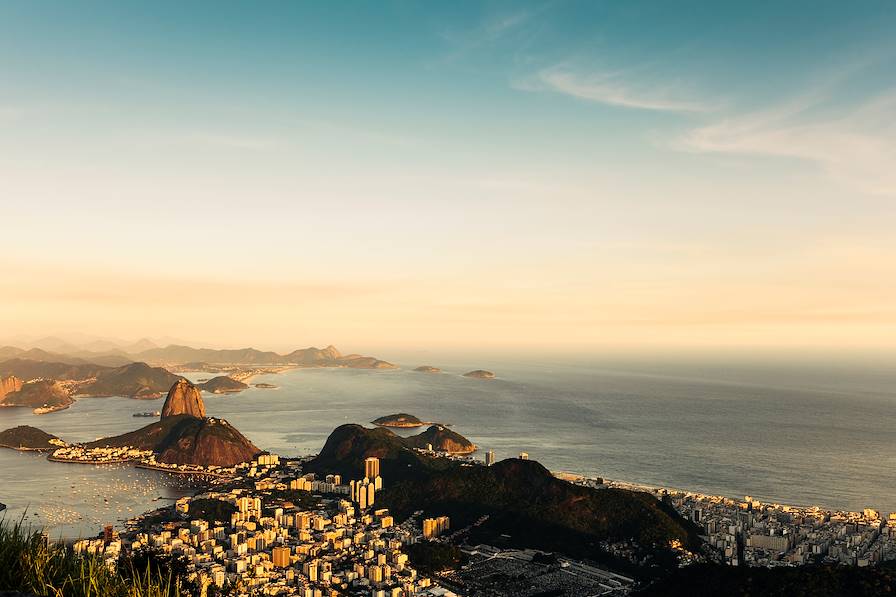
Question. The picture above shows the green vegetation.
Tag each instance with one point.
(525, 505)
(529, 507)
(303, 500)
(707, 580)
(30, 564)
(432, 556)
(441, 439)
(211, 510)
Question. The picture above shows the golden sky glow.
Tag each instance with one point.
(572, 177)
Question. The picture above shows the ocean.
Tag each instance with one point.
(798, 434)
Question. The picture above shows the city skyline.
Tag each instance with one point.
(541, 176)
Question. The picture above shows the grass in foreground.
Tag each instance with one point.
(28, 563)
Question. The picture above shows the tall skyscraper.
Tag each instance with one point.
(371, 467)
(489, 458)
(280, 556)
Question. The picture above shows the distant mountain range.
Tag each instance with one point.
(175, 354)
(145, 374)
(319, 357)
(137, 380)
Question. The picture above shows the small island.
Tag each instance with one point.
(266, 386)
(427, 369)
(480, 374)
(399, 420)
(29, 439)
(222, 384)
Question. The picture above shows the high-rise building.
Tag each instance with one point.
(433, 527)
(375, 574)
(280, 556)
(362, 497)
(489, 458)
(371, 467)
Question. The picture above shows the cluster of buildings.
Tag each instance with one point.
(749, 532)
(187, 469)
(98, 455)
(269, 546)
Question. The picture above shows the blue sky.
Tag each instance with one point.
(628, 173)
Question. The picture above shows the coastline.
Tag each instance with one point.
(577, 478)
(27, 449)
(95, 462)
(178, 471)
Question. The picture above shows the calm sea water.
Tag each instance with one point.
(802, 435)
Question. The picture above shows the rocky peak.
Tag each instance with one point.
(330, 353)
(183, 399)
(10, 384)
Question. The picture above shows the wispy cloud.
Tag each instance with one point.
(855, 144)
(488, 32)
(614, 89)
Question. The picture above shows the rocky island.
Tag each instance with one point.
(222, 384)
(42, 395)
(427, 369)
(480, 374)
(184, 436)
(399, 420)
(183, 399)
(27, 438)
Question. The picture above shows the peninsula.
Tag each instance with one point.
(27, 438)
(42, 395)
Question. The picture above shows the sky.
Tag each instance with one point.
(510, 176)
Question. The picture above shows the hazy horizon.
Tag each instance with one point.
(531, 177)
(417, 354)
